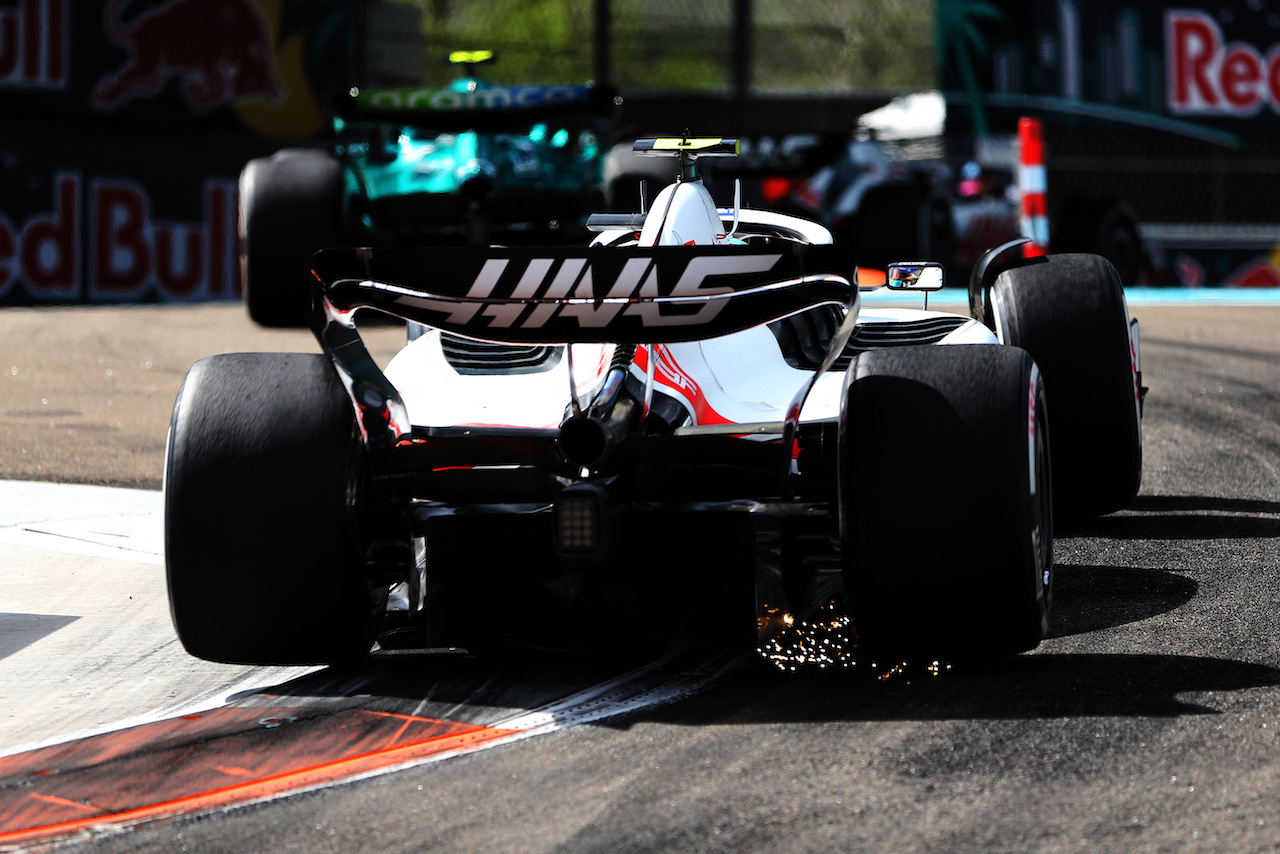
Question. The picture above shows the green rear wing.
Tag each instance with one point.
(482, 109)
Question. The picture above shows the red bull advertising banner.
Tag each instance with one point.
(1210, 75)
(1172, 106)
(1205, 70)
(126, 125)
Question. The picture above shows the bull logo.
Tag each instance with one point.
(221, 50)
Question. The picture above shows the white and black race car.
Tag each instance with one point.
(691, 420)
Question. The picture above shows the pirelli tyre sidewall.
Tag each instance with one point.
(260, 482)
(290, 208)
(1069, 312)
(945, 500)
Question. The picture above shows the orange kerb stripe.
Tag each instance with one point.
(276, 784)
(63, 802)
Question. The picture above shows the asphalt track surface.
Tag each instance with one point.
(1149, 721)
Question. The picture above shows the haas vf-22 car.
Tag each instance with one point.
(692, 420)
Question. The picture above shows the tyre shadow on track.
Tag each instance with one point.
(1089, 598)
(1265, 356)
(1184, 517)
(486, 688)
(1044, 685)
(1035, 686)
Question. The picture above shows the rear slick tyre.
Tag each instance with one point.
(260, 550)
(1069, 312)
(946, 502)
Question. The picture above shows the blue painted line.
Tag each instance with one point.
(950, 299)
(1202, 296)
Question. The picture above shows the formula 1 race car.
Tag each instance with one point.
(692, 421)
(471, 163)
(883, 208)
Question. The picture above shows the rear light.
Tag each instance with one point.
(581, 521)
(775, 188)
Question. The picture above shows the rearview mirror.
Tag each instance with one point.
(915, 276)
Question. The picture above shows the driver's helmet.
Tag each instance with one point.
(470, 84)
(971, 180)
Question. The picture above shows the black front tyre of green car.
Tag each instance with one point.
(1102, 226)
(290, 208)
(1069, 312)
(260, 535)
(946, 502)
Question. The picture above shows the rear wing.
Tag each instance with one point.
(488, 109)
(557, 295)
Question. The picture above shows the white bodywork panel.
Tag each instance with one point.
(690, 218)
(740, 378)
(436, 395)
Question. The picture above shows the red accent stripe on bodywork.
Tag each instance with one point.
(673, 380)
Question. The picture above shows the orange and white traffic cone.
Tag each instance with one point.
(1032, 183)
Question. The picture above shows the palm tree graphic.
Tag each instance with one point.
(959, 40)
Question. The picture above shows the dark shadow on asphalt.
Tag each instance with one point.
(1044, 685)
(1088, 598)
(1266, 356)
(487, 688)
(21, 630)
(1187, 503)
(1182, 517)
(1022, 687)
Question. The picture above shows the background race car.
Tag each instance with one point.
(892, 186)
(471, 163)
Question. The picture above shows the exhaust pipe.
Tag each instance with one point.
(588, 438)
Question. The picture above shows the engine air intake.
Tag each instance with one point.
(874, 335)
(468, 356)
